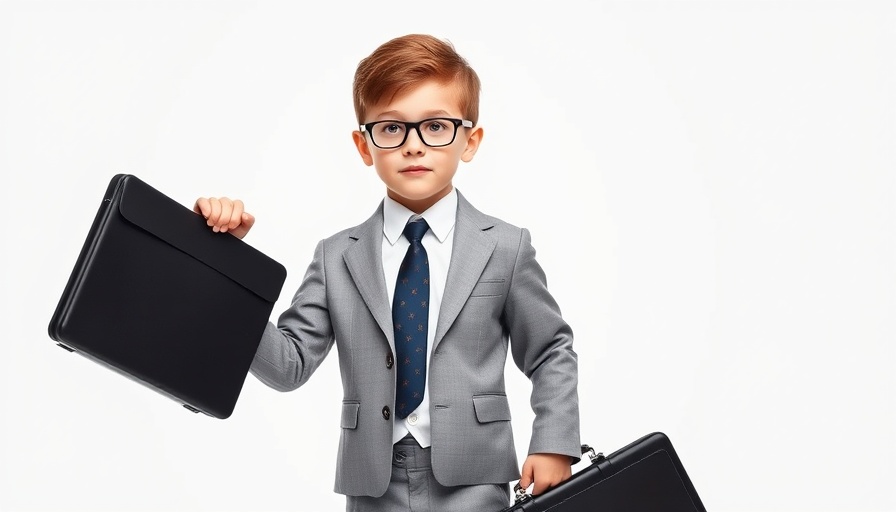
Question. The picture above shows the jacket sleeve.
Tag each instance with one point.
(292, 350)
(541, 345)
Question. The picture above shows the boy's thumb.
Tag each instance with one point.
(526, 477)
(247, 220)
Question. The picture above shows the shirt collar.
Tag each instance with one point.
(440, 217)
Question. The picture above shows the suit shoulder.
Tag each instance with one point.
(491, 223)
(510, 238)
(339, 241)
(507, 234)
(504, 231)
(342, 234)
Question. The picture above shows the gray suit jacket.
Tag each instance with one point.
(495, 293)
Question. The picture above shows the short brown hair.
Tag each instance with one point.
(405, 62)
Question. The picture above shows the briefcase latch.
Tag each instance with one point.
(519, 494)
(595, 457)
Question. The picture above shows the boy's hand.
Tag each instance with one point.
(546, 470)
(224, 214)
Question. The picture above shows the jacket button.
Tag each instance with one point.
(389, 361)
(386, 413)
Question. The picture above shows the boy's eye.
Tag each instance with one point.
(434, 126)
(391, 128)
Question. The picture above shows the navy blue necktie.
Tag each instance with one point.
(410, 312)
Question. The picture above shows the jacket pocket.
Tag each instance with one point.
(488, 288)
(350, 412)
(492, 407)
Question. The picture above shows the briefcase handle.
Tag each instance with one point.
(521, 495)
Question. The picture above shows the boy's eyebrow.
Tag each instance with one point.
(390, 114)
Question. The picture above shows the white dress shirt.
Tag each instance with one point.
(438, 242)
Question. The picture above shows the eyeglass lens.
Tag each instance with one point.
(434, 132)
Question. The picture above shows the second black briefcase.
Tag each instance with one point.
(159, 297)
(644, 476)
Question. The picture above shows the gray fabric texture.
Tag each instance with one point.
(413, 488)
(496, 296)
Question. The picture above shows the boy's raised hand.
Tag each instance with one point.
(224, 215)
(545, 470)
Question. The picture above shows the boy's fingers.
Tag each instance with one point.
(223, 214)
(539, 487)
(215, 213)
(224, 219)
(236, 215)
(202, 207)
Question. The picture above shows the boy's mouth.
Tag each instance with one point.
(414, 169)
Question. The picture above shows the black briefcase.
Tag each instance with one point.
(644, 476)
(159, 297)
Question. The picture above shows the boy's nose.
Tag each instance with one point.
(413, 144)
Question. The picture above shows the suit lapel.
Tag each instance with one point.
(472, 249)
(364, 260)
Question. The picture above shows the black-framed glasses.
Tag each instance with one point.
(435, 132)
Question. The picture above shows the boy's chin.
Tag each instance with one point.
(418, 197)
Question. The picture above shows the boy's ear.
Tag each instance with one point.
(363, 147)
(473, 141)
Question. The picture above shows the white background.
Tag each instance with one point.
(710, 187)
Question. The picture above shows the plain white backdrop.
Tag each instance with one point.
(710, 187)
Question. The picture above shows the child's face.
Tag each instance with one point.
(417, 175)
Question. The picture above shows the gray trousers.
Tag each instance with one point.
(413, 488)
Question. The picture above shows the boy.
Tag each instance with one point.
(422, 299)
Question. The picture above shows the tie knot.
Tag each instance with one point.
(415, 230)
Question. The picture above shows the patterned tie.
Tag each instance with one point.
(409, 319)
